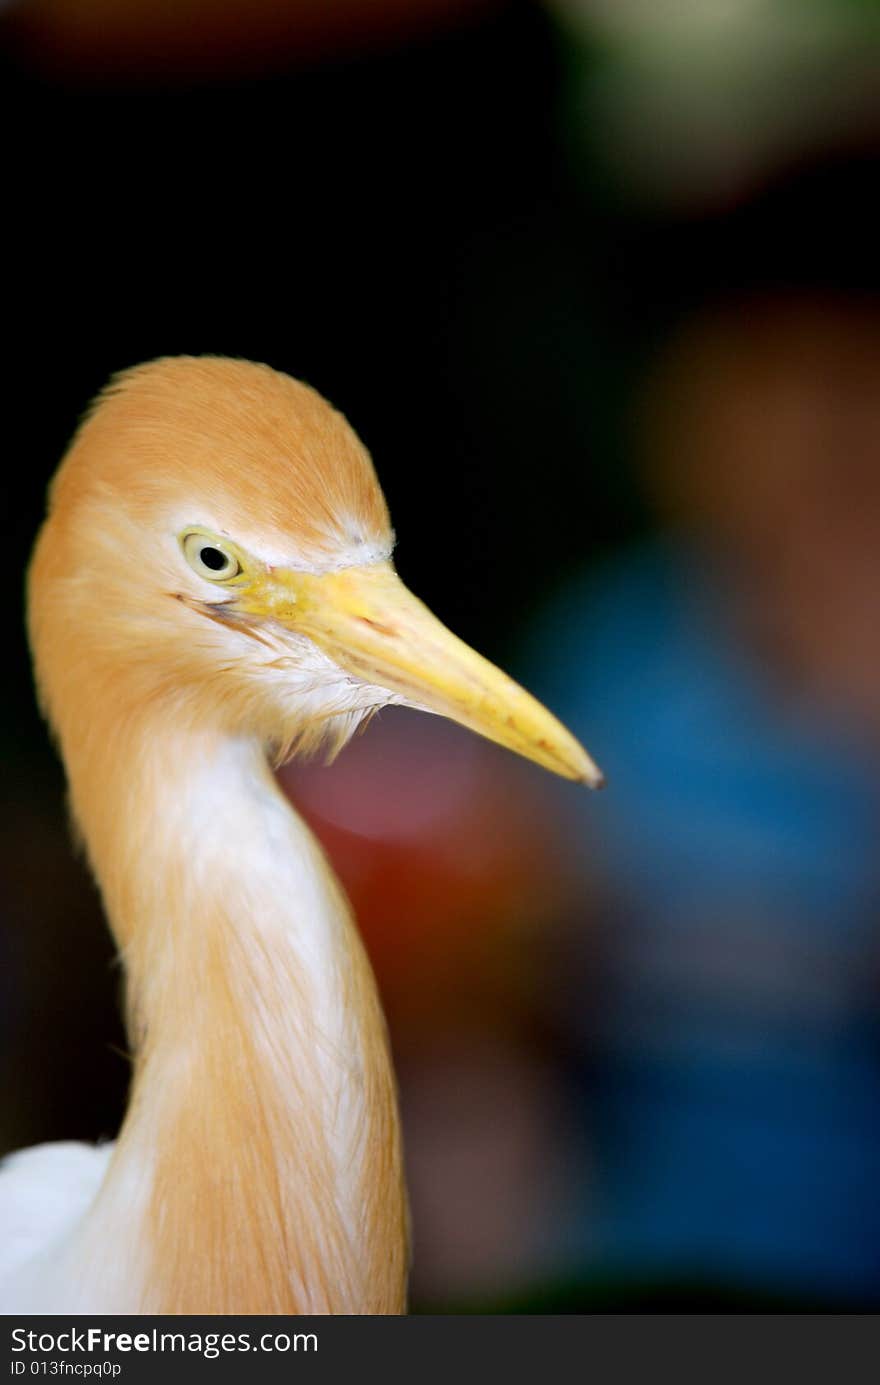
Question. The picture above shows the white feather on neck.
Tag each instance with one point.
(230, 848)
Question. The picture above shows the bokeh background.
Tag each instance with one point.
(597, 283)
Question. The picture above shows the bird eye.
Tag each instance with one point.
(208, 558)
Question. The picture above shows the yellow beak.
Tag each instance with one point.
(367, 621)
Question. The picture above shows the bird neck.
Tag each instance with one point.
(263, 1124)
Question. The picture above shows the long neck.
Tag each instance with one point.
(262, 1134)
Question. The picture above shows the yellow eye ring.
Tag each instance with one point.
(210, 557)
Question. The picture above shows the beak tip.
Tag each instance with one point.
(587, 772)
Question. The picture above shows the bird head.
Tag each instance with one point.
(217, 542)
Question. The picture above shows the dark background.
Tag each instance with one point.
(417, 218)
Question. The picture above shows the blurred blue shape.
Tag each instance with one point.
(734, 1058)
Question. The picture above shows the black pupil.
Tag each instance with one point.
(213, 558)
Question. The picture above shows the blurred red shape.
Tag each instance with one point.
(192, 38)
(442, 843)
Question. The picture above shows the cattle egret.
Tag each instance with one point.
(211, 592)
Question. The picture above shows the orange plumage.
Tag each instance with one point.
(213, 582)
